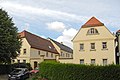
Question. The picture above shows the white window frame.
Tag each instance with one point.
(51, 55)
(38, 52)
(92, 46)
(81, 61)
(92, 61)
(24, 51)
(46, 54)
(104, 45)
(105, 62)
(81, 46)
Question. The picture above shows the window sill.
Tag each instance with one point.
(104, 49)
(93, 34)
(92, 49)
(81, 50)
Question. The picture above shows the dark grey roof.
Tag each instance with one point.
(62, 46)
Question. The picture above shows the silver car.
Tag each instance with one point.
(19, 74)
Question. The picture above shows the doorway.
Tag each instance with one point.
(35, 64)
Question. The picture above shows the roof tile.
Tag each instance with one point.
(92, 23)
(38, 42)
(62, 46)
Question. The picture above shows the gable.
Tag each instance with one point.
(103, 33)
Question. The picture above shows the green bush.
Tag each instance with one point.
(59, 71)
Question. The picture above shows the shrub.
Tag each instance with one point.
(59, 71)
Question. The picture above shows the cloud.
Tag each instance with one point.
(22, 10)
(57, 26)
(67, 36)
(25, 27)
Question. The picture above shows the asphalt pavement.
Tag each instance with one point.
(3, 77)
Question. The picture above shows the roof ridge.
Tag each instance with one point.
(34, 35)
(58, 42)
(92, 22)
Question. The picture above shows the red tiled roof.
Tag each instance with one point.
(38, 42)
(118, 30)
(92, 23)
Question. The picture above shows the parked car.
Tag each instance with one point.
(36, 70)
(19, 74)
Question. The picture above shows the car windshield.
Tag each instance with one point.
(16, 71)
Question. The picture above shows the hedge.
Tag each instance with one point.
(7, 68)
(59, 71)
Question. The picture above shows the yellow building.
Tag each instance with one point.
(94, 44)
(35, 49)
(64, 51)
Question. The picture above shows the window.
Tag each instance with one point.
(18, 61)
(81, 61)
(51, 55)
(49, 47)
(92, 61)
(13, 61)
(61, 54)
(104, 45)
(92, 31)
(24, 61)
(68, 55)
(19, 51)
(92, 45)
(46, 54)
(24, 51)
(38, 52)
(81, 47)
(104, 62)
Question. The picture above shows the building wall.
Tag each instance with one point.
(34, 54)
(66, 60)
(36, 57)
(56, 47)
(62, 53)
(22, 56)
(98, 54)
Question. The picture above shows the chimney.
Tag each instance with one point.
(61, 42)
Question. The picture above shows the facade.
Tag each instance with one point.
(64, 51)
(118, 46)
(94, 44)
(35, 49)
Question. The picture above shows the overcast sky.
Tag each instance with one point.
(61, 19)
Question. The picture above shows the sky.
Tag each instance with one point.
(61, 19)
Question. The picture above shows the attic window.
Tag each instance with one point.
(49, 47)
(92, 31)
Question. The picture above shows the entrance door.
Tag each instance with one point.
(35, 64)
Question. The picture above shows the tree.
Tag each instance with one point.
(10, 42)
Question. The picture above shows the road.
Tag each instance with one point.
(3, 77)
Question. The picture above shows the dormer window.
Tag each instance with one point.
(92, 31)
(49, 47)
